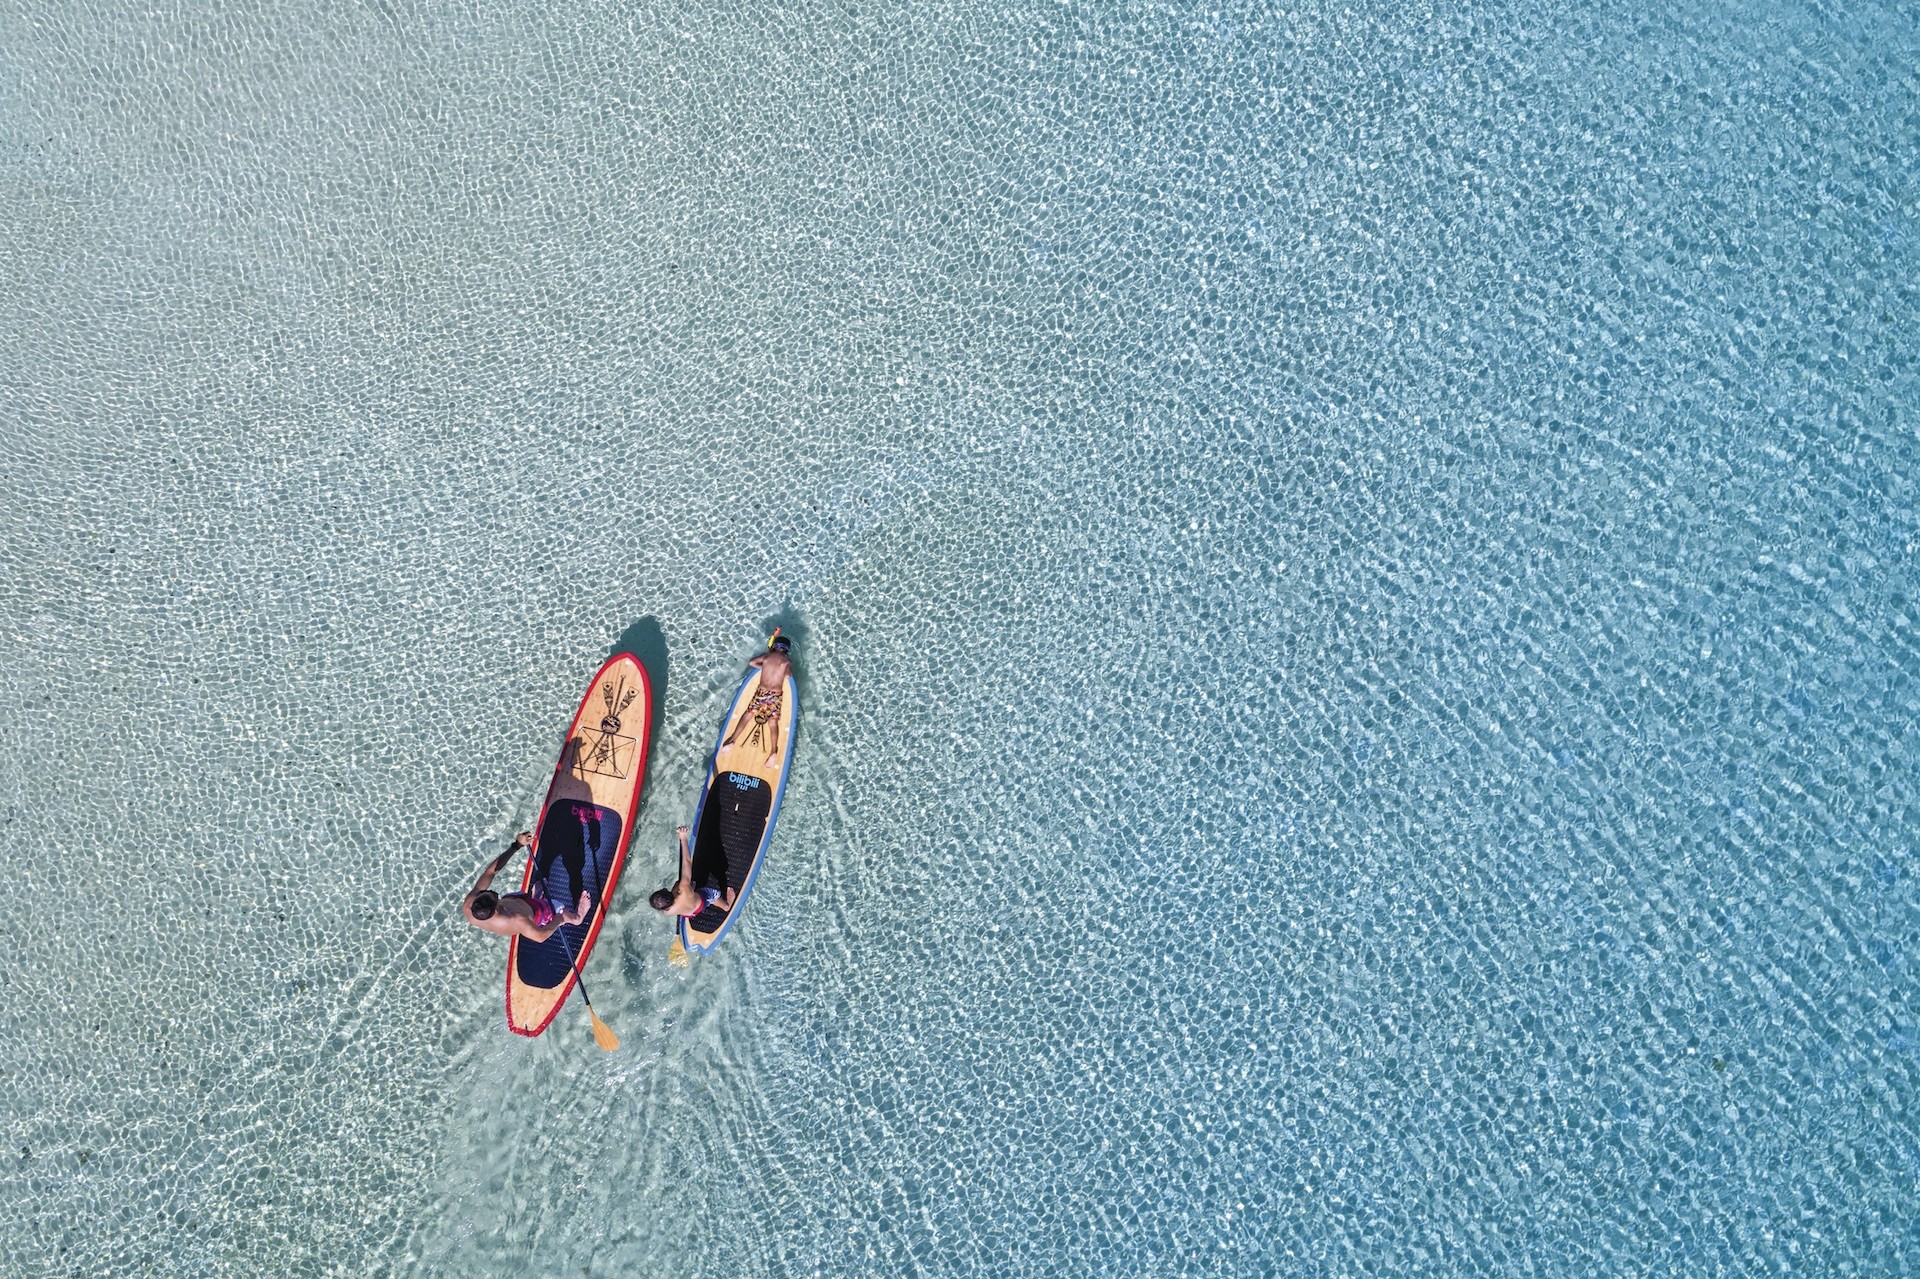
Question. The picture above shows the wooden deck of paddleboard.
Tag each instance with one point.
(745, 757)
(581, 840)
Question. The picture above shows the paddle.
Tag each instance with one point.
(602, 1033)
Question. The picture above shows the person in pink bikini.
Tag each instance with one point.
(685, 898)
(527, 914)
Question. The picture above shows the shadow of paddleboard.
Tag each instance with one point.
(648, 644)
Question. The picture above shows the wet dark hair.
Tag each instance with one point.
(782, 645)
(484, 903)
(661, 899)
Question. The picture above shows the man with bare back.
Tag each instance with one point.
(527, 914)
(761, 722)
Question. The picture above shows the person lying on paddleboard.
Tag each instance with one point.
(527, 914)
(761, 723)
(684, 898)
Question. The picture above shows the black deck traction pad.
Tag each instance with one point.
(733, 820)
(577, 844)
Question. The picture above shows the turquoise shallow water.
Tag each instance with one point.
(1355, 568)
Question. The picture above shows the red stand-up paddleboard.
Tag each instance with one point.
(581, 841)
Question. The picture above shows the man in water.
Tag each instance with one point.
(761, 722)
(529, 914)
(684, 899)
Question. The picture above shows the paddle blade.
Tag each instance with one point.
(677, 955)
(603, 1033)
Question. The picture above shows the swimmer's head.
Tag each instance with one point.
(484, 904)
(661, 899)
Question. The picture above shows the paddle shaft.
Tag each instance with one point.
(576, 968)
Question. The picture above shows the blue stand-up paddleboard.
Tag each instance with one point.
(581, 841)
(733, 824)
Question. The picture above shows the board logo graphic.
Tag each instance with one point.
(603, 750)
